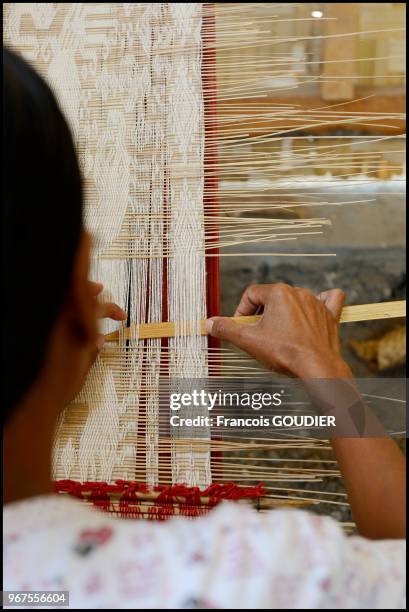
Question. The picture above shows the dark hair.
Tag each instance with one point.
(42, 219)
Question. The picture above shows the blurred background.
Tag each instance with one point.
(339, 154)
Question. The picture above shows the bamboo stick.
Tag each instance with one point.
(167, 329)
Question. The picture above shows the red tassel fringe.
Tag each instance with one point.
(122, 497)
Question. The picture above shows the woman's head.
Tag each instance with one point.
(44, 271)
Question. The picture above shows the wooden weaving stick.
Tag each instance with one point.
(362, 312)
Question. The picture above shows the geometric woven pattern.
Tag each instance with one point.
(133, 99)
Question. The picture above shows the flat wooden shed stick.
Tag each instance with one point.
(362, 312)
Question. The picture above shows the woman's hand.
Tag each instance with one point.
(80, 349)
(297, 335)
(102, 311)
(107, 310)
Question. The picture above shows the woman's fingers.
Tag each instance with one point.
(226, 328)
(108, 309)
(96, 288)
(334, 300)
(246, 306)
(111, 311)
(253, 300)
(100, 342)
(296, 335)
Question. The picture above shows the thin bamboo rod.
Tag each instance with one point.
(362, 312)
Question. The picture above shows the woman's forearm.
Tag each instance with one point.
(372, 468)
(373, 471)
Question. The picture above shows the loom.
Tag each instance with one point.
(165, 101)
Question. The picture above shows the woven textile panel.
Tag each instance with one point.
(137, 114)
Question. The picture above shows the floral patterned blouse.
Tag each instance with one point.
(230, 558)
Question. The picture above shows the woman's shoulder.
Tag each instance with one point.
(58, 543)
